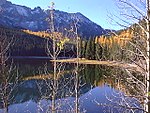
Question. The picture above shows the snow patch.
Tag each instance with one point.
(9, 9)
(36, 11)
(30, 24)
(2, 2)
(21, 11)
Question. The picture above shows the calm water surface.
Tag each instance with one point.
(98, 91)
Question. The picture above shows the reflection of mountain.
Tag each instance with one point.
(88, 101)
(38, 89)
(67, 103)
(29, 90)
(32, 92)
(90, 76)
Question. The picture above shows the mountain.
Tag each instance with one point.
(28, 43)
(22, 17)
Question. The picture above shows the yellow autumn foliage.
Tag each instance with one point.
(120, 39)
(57, 36)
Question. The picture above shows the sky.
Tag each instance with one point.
(97, 11)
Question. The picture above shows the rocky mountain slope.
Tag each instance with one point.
(16, 16)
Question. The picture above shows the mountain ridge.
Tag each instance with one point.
(17, 16)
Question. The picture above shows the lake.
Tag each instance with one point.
(98, 89)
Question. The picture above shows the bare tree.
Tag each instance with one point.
(56, 82)
(9, 79)
(135, 16)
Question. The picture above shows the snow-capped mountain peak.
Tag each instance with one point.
(13, 15)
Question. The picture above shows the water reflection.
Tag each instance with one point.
(99, 91)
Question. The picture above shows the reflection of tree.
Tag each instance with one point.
(32, 67)
(116, 79)
(8, 75)
(56, 82)
(138, 50)
(98, 75)
(94, 73)
(37, 90)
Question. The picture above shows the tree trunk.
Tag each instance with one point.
(54, 58)
(77, 80)
(147, 106)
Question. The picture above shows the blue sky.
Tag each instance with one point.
(95, 10)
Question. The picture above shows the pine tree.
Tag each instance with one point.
(98, 51)
(90, 49)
